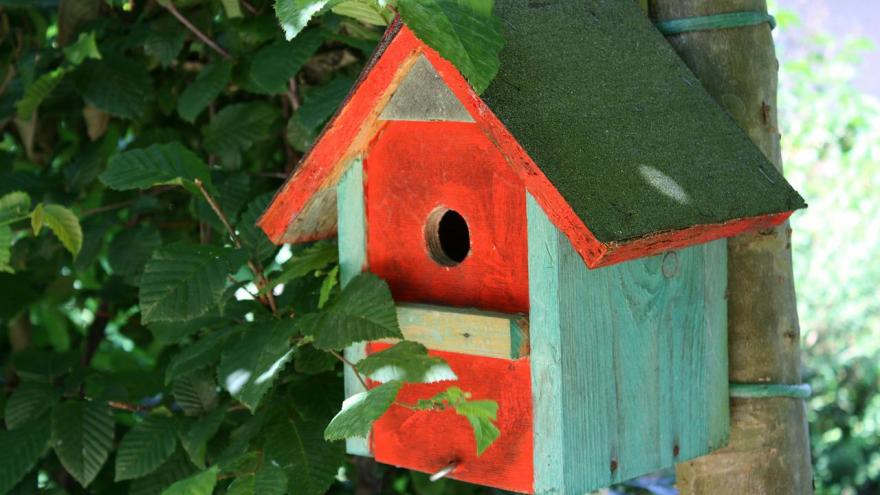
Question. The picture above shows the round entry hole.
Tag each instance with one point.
(448, 237)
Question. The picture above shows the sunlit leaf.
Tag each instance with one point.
(14, 206)
(62, 222)
(481, 414)
(406, 361)
(294, 15)
(360, 411)
(84, 47)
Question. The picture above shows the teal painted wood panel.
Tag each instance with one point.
(637, 354)
(352, 232)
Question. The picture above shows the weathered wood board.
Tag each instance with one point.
(629, 362)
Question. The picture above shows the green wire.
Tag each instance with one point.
(717, 21)
(759, 390)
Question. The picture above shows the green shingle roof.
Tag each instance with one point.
(620, 125)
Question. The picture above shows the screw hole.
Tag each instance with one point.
(448, 237)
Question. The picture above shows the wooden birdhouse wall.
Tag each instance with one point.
(414, 169)
(629, 362)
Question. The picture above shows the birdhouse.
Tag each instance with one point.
(558, 240)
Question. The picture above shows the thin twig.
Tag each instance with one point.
(200, 35)
(353, 368)
(292, 94)
(250, 8)
(267, 299)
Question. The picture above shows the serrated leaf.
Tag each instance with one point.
(364, 311)
(269, 480)
(366, 11)
(253, 237)
(28, 401)
(116, 84)
(62, 222)
(313, 258)
(360, 411)
(206, 87)
(298, 447)
(22, 448)
(6, 249)
(236, 127)
(183, 281)
(82, 436)
(38, 91)
(406, 361)
(145, 447)
(195, 436)
(176, 468)
(168, 163)
(294, 15)
(201, 353)
(195, 393)
(248, 369)
(130, 250)
(320, 103)
(198, 484)
(275, 64)
(164, 40)
(84, 47)
(465, 32)
(14, 206)
(481, 414)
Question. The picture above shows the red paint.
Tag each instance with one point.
(321, 168)
(414, 168)
(427, 441)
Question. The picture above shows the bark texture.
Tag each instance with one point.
(769, 449)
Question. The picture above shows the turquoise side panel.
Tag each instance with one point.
(637, 354)
(352, 231)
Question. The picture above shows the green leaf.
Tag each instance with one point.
(207, 86)
(275, 64)
(366, 11)
(253, 237)
(145, 447)
(298, 447)
(183, 281)
(169, 163)
(6, 249)
(248, 368)
(82, 436)
(28, 401)
(327, 286)
(14, 206)
(294, 15)
(198, 484)
(269, 480)
(116, 84)
(232, 8)
(313, 258)
(320, 103)
(463, 31)
(38, 91)
(176, 468)
(360, 410)
(203, 352)
(196, 392)
(164, 40)
(236, 127)
(195, 436)
(408, 362)
(130, 250)
(481, 414)
(22, 448)
(43, 366)
(364, 311)
(62, 222)
(84, 47)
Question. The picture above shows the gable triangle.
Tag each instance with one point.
(423, 96)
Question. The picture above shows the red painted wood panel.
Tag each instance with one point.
(414, 168)
(427, 441)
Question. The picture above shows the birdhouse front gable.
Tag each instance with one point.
(615, 138)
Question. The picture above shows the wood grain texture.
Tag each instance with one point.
(427, 441)
(352, 261)
(413, 169)
(633, 358)
(478, 333)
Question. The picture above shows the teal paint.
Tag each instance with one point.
(629, 362)
(352, 232)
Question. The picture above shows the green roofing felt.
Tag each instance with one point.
(620, 125)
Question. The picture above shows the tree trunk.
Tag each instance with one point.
(769, 449)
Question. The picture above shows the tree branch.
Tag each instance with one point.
(189, 25)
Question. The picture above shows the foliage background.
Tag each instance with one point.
(73, 324)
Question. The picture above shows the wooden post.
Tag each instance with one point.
(769, 446)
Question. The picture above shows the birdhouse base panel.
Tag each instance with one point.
(428, 441)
